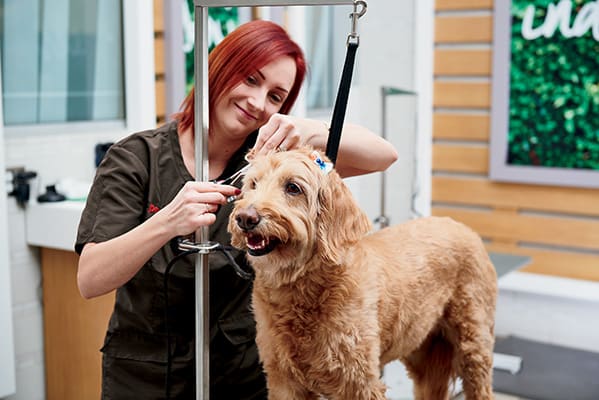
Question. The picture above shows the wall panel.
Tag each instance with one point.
(558, 227)
(444, 5)
(511, 226)
(159, 55)
(463, 29)
(462, 94)
(450, 62)
(461, 126)
(481, 191)
(466, 158)
(159, 60)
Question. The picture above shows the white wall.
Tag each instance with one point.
(394, 51)
(7, 355)
(387, 56)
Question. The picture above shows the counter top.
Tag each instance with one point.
(53, 225)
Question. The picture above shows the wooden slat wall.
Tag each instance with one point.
(159, 61)
(557, 227)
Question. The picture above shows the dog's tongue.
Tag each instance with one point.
(257, 242)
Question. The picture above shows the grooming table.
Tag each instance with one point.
(504, 264)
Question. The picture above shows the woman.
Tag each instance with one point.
(144, 195)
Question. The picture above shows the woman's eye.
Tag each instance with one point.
(251, 80)
(293, 189)
(276, 98)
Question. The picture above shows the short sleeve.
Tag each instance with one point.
(116, 200)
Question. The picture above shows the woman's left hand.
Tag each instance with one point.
(360, 150)
(281, 132)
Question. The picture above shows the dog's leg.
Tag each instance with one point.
(476, 365)
(287, 393)
(474, 354)
(280, 387)
(430, 367)
(360, 378)
(363, 389)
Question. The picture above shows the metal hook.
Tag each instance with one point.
(364, 7)
(357, 14)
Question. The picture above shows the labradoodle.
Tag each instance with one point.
(334, 302)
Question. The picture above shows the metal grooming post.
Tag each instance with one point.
(202, 172)
(386, 91)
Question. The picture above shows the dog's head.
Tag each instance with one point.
(294, 213)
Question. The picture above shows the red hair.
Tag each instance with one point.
(242, 52)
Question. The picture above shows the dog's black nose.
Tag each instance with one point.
(247, 218)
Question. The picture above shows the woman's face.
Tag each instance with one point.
(251, 103)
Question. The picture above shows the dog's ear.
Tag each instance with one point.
(340, 221)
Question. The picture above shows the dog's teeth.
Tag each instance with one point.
(257, 243)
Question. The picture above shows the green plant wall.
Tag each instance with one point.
(222, 20)
(554, 91)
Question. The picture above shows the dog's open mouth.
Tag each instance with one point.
(259, 245)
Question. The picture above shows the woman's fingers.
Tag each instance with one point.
(279, 133)
(206, 219)
(202, 208)
(209, 192)
(195, 205)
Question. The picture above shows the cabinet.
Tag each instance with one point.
(74, 330)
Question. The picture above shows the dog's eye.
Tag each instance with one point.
(292, 189)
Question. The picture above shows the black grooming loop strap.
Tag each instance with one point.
(341, 103)
(247, 275)
(353, 41)
(183, 247)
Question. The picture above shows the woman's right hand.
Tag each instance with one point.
(195, 206)
(108, 265)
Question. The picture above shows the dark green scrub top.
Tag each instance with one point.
(138, 176)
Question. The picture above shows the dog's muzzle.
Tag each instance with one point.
(247, 220)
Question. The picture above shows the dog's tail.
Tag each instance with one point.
(433, 370)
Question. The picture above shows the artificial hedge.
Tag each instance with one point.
(554, 94)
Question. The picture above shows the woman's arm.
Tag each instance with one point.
(106, 266)
(360, 150)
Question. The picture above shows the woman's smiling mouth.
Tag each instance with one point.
(245, 113)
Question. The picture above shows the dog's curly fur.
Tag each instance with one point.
(334, 302)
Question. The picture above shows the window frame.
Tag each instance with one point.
(139, 82)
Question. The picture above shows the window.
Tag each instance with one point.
(327, 28)
(62, 61)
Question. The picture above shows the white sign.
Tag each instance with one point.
(558, 17)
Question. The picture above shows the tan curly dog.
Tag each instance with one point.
(334, 302)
